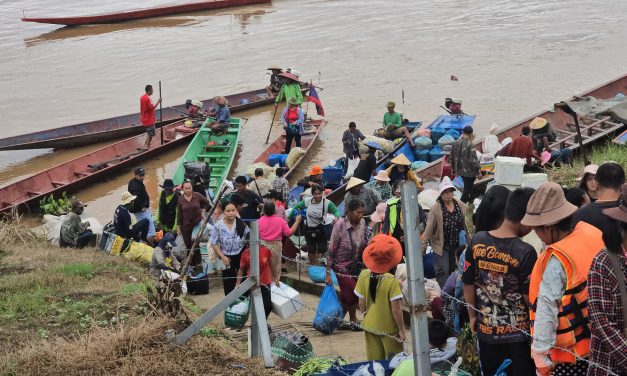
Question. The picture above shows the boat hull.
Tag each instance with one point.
(24, 195)
(121, 126)
(142, 13)
(219, 156)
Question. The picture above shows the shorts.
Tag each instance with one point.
(150, 130)
(316, 245)
(393, 134)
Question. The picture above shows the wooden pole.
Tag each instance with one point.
(161, 112)
(276, 107)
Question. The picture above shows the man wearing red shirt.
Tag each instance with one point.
(522, 146)
(147, 110)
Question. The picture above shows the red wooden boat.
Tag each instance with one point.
(312, 130)
(121, 126)
(89, 168)
(137, 14)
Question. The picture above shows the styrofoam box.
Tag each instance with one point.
(534, 180)
(508, 170)
(285, 300)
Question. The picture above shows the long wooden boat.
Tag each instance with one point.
(137, 14)
(24, 195)
(121, 126)
(216, 151)
(312, 130)
(593, 129)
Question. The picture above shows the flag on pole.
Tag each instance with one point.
(314, 98)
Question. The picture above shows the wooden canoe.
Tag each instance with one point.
(312, 130)
(219, 155)
(24, 195)
(121, 126)
(593, 130)
(137, 14)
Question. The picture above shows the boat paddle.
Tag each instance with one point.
(161, 112)
(203, 225)
(276, 107)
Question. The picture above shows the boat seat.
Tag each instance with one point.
(58, 183)
(32, 193)
(81, 174)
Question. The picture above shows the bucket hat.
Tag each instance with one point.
(382, 175)
(445, 185)
(591, 169)
(401, 159)
(354, 182)
(547, 206)
(127, 198)
(538, 123)
(390, 104)
(167, 184)
(619, 213)
(382, 253)
(379, 213)
(315, 170)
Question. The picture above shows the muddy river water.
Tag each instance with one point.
(512, 58)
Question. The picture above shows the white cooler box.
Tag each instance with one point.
(285, 300)
(508, 170)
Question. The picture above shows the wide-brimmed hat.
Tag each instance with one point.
(538, 123)
(315, 170)
(275, 67)
(78, 204)
(547, 206)
(382, 253)
(401, 159)
(445, 184)
(127, 198)
(390, 104)
(619, 213)
(382, 175)
(292, 101)
(379, 213)
(289, 75)
(167, 184)
(354, 182)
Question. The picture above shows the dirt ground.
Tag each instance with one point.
(346, 343)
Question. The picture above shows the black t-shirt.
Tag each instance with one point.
(365, 167)
(500, 269)
(251, 204)
(137, 188)
(593, 214)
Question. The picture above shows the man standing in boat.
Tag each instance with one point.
(147, 110)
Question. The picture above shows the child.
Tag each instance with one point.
(443, 345)
(265, 276)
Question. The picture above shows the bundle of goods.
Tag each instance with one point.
(279, 160)
(383, 144)
(285, 300)
(293, 157)
(199, 173)
(290, 349)
(268, 172)
(446, 140)
(422, 143)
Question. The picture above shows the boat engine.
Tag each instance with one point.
(199, 173)
(194, 107)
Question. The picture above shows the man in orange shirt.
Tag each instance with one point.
(147, 110)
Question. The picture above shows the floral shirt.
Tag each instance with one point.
(385, 190)
(230, 243)
(453, 224)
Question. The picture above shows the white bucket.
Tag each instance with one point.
(508, 170)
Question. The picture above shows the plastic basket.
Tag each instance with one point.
(235, 320)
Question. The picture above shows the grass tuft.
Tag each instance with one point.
(85, 270)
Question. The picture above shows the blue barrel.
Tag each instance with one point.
(436, 133)
(275, 159)
(422, 155)
(454, 133)
(435, 154)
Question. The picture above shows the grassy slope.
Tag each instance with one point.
(79, 312)
(567, 176)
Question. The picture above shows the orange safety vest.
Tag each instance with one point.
(575, 252)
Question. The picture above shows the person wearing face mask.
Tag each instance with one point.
(558, 292)
(74, 232)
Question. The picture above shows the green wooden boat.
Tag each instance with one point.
(216, 151)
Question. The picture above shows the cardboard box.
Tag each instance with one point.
(285, 300)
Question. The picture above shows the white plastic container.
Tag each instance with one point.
(508, 170)
(534, 180)
(285, 300)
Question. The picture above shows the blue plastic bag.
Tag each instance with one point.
(427, 264)
(329, 314)
(318, 274)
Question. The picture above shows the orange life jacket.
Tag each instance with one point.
(575, 252)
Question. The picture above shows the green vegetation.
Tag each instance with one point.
(61, 206)
(567, 175)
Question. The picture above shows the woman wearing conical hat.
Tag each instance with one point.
(399, 171)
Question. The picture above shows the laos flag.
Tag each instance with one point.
(313, 97)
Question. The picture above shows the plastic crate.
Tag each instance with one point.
(235, 320)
